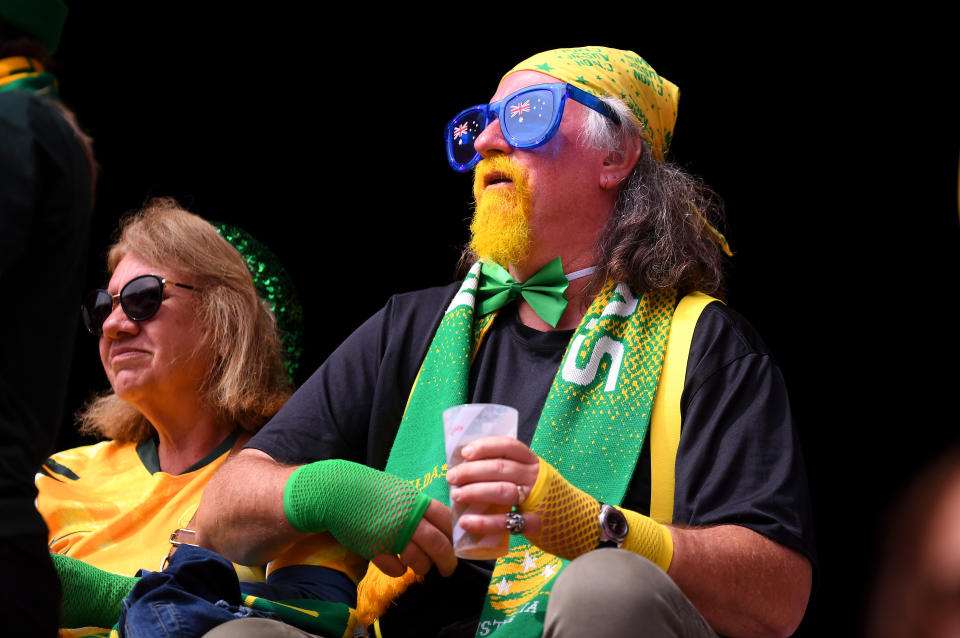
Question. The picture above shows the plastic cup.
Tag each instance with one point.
(461, 425)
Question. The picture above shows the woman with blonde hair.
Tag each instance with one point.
(193, 357)
(240, 381)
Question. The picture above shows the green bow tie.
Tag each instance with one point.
(544, 291)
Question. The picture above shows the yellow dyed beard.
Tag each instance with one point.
(500, 230)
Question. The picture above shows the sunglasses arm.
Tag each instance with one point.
(594, 103)
(173, 283)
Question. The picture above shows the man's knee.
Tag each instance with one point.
(256, 628)
(615, 591)
(609, 580)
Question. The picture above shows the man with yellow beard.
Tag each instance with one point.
(656, 479)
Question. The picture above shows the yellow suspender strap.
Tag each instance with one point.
(665, 421)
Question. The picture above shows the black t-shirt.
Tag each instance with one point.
(739, 459)
(44, 222)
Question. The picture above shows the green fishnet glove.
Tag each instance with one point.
(368, 511)
(91, 596)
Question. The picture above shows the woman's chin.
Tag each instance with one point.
(129, 387)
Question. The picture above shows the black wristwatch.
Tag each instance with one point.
(613, 526)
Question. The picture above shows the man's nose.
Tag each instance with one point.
(491, 140)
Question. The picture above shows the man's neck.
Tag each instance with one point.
(577, 301)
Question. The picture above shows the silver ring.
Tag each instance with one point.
(515, 523)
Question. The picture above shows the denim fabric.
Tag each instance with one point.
(196, 592)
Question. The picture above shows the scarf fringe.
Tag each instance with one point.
(377, 591)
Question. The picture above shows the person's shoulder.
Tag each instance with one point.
(721, 325)
(423, 296)
(424, 304)
(30, 121)
(402, 322)
(78, 461)
(16, 101)
(15, 108)
(723, 337)
(92, 451)
(24, 108)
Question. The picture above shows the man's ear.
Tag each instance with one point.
(618, 165)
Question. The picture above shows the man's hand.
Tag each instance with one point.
(368, 511)
(429, 546)
(559, 518)
(245, 519)
(497, 470)
(743, 583)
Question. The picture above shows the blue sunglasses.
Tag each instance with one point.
(528, 119)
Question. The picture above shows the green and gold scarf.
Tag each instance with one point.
(592, 427)
(27, 74)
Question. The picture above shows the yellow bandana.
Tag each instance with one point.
(604, 71)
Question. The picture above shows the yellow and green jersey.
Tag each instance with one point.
(109, 505)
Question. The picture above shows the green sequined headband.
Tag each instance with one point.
(275, 288)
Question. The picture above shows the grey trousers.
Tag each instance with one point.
(256, 627)
(607, 592)
(613, 592)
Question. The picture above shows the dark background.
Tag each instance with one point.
(835, 147)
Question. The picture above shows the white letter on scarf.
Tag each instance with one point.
(605, 345)
(623, 308)
(467, 295)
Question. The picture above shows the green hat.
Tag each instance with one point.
(42, 19)
(275, 288)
